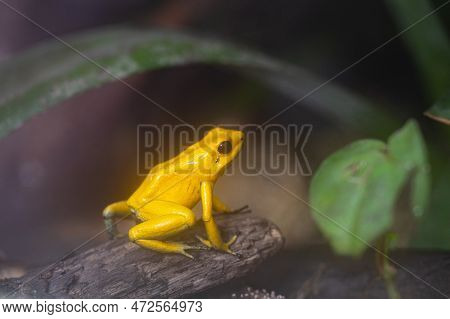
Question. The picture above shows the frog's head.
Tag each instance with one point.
(221, 146)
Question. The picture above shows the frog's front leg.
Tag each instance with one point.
(162, 219)
(113, 211)
(214, 238)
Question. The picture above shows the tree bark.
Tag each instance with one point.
(121, 269)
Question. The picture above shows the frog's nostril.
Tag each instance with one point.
(242, 138)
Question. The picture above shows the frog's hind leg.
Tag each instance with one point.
(113, 211)
(161, 220)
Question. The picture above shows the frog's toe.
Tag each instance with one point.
(185, 247)
(204, 241)
(243, 210)
(184, 253)
(231, 241)
(226, 246)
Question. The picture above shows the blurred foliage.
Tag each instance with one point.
(434, 228)
(354, 191)
(53, 72)
(427, 42)
(430, 47)
(385, 268)
(440, 111)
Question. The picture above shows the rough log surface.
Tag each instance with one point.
(121, 269)
(316, 272)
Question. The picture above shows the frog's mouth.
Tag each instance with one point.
(237, 140)
(240, 141)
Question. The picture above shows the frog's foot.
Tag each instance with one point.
(204, 241)
(111, 212)
(225, 247)
(111, 228)
(243, 210)
(168, 247)
(184, 247)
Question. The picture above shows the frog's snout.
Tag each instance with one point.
(241, 135)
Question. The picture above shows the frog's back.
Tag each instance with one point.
(170, 183)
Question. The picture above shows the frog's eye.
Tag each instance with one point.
(225, 147)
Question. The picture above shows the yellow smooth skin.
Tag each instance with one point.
(162, 204)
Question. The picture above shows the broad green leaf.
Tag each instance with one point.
(355, 188)
(46, 75)
(409, 150)
(427, 41)
(354, 191)
(430, 46)
(440, 111)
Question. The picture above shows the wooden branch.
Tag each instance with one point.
(121, 269)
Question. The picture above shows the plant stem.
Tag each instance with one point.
(385, 268)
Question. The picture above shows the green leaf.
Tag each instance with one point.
(49, 74)
(427, 41)
(408, 148)
(440, 111)
(354, 191)
(356, 188)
